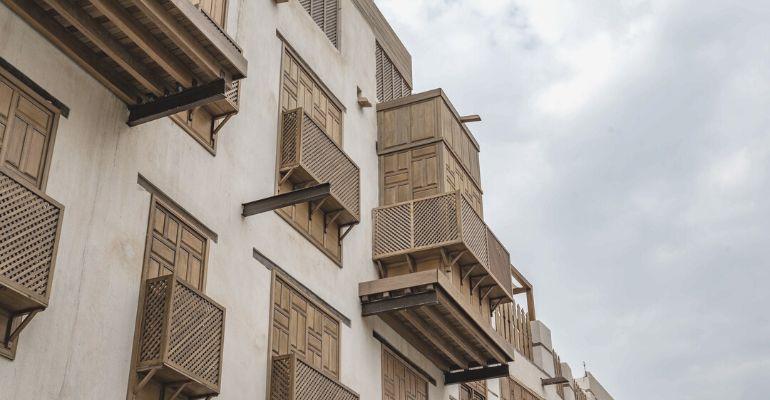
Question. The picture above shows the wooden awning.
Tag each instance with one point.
(163, 56)
(423, 308)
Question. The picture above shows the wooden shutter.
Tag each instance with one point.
(215, 9)
(26, 130)
(299, 89)
(175, 248)
(325, 13)
(391, 84)
(303, 328)
(399, 382)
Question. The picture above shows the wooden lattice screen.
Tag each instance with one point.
(438, 221)
(293, 379)
(182, 329)
(305, 145)
(31, 224)
(512, 323)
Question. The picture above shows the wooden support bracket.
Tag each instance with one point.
(486, 290)
(495, 302)
(471, 268)
(329, 219)
(286, 176)
(349, 228)
(178, 391)
(383, 270)
(410, 261)
(221, 124)
(16, 332)
(145, 380)
(475, 285)
(286, 199)
(457, 258)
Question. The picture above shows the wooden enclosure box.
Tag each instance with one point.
(31, 224)
(294, 379)
(308, 156)
(425, 149)
(182, 337)
(423, 171)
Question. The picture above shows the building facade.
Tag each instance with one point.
(245, 200)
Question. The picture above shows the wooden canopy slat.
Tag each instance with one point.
(137, 33)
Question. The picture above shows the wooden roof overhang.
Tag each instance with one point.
(426, 310)
(160, 57)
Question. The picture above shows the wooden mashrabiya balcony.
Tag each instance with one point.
(182, 338)
(432, 244)
(160, 57)
(309, 156)
(31, 225)
(294, 379)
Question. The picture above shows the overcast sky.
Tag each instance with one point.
(626, 166)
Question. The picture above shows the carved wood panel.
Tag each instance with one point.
(299, 89)
(175, 248)
(26, 130)
(302, 327)
(399, 382)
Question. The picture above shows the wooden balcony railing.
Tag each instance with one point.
(445, 221)
(309, 156)
(31, 223)
(182, 337)
(512, 323)
(294, 379)
(160, 57)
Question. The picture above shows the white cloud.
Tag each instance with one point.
(626, 166)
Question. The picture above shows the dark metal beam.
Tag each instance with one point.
(306, 195)
(559, 380)
(399, 303)
(477, 374)
(175, 103)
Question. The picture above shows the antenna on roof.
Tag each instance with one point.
(585, 371)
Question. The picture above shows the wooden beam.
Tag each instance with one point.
(192, 47)
(286, 199)
(347, 230)
(475, 285)
(470, 118)
(399, 303)
(486, 290)
(435, 339)
(74, 48)
(382, 269)
(178, 102)
(441, 324)
(520, 278)
(102, 39)
(142, 38)
(416, 342)
(519, 290)
(531, 305)
(478, 374)
(457, 258)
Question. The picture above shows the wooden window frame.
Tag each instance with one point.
(214, 129)
(286, 47)
(338, 45)
(407, 365)
(158, 198)
(24, 90)
(24, 86)
(311, 298)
